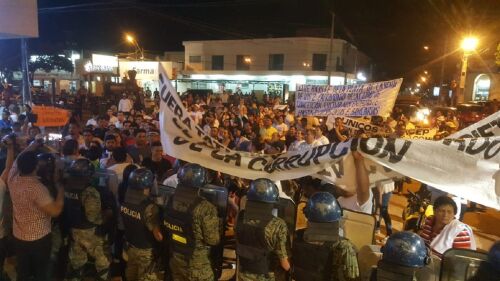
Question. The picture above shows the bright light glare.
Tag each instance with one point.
(129, 38)
(420, 116)
(425, 111)
(361, 76)
(426, 48)
(423, 79)
(248, 60)
(418, 85)
(469, 44)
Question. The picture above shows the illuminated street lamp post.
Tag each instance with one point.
(469, 45)
(138, 49)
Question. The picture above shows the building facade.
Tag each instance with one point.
(483, 78)
(274, 65)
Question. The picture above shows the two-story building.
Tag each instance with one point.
(273, 65)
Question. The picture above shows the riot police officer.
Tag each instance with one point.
(261, 238)
(141, 225)
(403, 255)
(319, 253)
(46, 170)
(83, 215)
(192, 227)
(489, 270)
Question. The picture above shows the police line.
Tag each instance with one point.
(464, 168)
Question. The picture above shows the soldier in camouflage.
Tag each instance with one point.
(83, 214)
(141, 226)
(261, 238)
(192, 227)
(319, 253)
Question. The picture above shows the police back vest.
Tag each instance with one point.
(179, 223)
(74, 211)
(393, 272)
(253, 252)
(133, 213)
(314, 261)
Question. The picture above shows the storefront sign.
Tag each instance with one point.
(146, 70)
(90, 67)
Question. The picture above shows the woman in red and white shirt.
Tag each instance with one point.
(443, 231)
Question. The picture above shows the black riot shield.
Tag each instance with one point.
(161, 194)
(218, 196)
(288, 212)
(461, 264)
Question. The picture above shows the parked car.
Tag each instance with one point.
(469, 113)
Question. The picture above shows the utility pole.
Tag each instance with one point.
(441, 77)
(25, 71)
(331, 49)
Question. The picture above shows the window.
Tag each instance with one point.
(276, 61)
(243, 62)
(195, 59)
(217, 62)
(319, 62)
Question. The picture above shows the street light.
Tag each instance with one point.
(423, 79)
(469, 45)
(426, 48)
(248, 60)
(426, 72)
(138, 49)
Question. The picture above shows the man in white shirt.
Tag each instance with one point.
(310, 141)
(320, 138)
(281, 127)
(112, 118)
(120, 119)
(125, 105)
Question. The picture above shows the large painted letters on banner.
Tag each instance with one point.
(368, 99)
(465, 168)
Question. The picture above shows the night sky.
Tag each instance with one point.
(391, 32)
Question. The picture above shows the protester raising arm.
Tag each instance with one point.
(55, 208)
(362, 179)
(10, 158)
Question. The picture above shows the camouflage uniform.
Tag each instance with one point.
(85, 242)
(206, 230)
(140, 261)
(276, 235)
(344, 260)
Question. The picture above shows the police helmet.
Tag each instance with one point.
(263, 190)
(141, 179)
(405, 249)
(47, 159)
(192, 175)
(81, 167)
(494, 255)
(323, 207)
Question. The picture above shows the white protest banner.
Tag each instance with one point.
(368, 99)
(462, 167)
(421, 133)
(354, 123)
(488, 127)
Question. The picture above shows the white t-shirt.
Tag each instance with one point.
(323, 140)
(118, 169)
(171, 181)
(351, 203)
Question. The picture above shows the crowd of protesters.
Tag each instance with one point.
(129, 135)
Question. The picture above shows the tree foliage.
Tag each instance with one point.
(48, 63)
